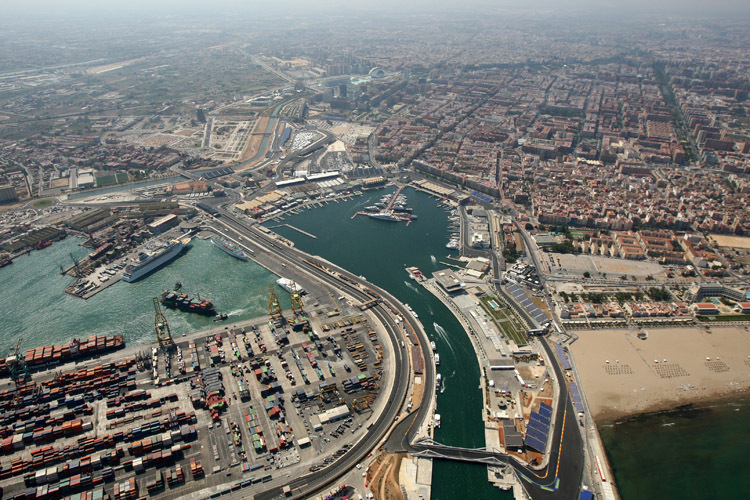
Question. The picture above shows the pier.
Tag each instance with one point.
(296, 229)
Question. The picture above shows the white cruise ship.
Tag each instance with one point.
(287, 285)
(151, 260)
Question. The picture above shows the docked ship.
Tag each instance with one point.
(438, 380)
(432, 344)
(452, 245)
(437, 359)
(150, 261)
(230, 248)
(437, 421)
(184, 302)
(384, 215)
(287, 285)
(51, 355)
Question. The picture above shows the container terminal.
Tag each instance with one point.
(233, 408)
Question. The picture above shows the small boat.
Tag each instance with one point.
(437, 359)
(432, 344)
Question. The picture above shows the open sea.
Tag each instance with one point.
(689, 454)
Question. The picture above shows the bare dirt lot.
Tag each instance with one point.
(724, 240)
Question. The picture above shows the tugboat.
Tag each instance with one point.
(177, 286)
(184, 302)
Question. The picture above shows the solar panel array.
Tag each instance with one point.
(219, 172)
(563, 357)
(538, 429)
(577, 401)
(482, 197)
(531, 308)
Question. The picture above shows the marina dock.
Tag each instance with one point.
(296, 229)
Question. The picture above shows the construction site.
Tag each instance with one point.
(232, 408)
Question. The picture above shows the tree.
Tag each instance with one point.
(529, 226)
(586, 274)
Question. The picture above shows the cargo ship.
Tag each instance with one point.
(287, 285)
(184, 302)
(230, 248)
(51, 355)
(149, 261)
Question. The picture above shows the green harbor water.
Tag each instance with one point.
(36, 308)
(683, 455)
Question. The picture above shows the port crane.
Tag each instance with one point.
(19, 370)
(274, 307)
(296, 299)
(161, 326)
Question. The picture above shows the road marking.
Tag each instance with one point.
(562, 435)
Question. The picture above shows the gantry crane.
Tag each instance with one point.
(274, 308)
(19, 370)
(296, 299)
(161, 326)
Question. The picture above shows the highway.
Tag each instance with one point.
(349, 284)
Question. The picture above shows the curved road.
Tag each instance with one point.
(306, 485)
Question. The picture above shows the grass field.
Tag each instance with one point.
(42, 203)
(505, 321)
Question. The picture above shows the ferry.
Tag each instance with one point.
(288, 284)
(230, 248)
(151, 260)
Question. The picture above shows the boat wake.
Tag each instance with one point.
(445, 380)
(235, 312)
(440, 332)
(411, 286)
(668, 424)
(434, 260)
(430, 309)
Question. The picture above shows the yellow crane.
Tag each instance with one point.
(274, 308)
(161, 326)
(296, 299)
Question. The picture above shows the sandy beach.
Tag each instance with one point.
(623, 375)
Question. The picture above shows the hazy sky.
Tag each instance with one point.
(32, 8)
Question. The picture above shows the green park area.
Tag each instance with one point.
(505, 320)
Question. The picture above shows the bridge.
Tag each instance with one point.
(428, 448)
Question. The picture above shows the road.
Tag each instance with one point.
(350, 285)
(560, 479)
